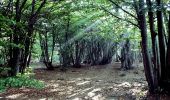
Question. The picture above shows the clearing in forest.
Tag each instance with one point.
(104, 82)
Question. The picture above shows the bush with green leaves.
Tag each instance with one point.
(21, 80)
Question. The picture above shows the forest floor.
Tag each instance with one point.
(105, 82)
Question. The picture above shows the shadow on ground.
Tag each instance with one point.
(105, 82)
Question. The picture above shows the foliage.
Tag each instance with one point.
(4, 69)
(21, 80)
(77, 31)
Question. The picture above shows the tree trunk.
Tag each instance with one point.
(77, 55)
(168, 52)
(126, 56)
(44, 49)
(14, 61)
(161, 42)
(144, 44)
(155, 59)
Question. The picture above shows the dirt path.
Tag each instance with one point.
(105, 82)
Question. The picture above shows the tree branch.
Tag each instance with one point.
(40, 7)
(119, 17)
(33, 16)
(22, 5)
(33, 7)
(123, 9)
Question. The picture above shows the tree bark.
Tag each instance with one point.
(168, 51)
(161, 41)
(144, 44)
(155, 59)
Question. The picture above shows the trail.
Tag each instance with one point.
(104, 82)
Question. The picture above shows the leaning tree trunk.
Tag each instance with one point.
(146, 57)
(44, 48)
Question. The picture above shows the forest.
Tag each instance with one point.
(85, 49)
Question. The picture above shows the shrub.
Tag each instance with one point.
(21, 80)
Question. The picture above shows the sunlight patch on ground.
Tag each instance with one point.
(53, 90)
(93, 92)
(125, 84)
(62, 93)
(52, 84)
(43, 99)
(83, 83)
(78, 92)
(77, 99)
(26, 90)
(14, 96)
(137, 84)
(135, 91)
(98, 97)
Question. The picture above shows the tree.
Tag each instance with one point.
(22, 28)
(156, 63)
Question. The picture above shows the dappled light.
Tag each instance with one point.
(85, 49)
(87, 83)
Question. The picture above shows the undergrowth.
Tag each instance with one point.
(21, 80)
